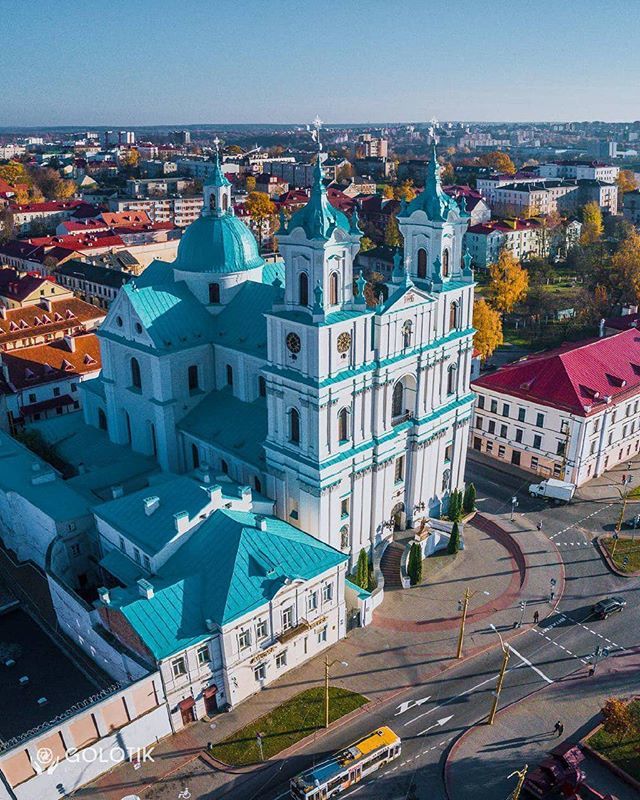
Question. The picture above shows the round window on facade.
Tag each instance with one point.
(138, 327)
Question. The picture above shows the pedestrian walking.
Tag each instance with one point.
(629, 465)
(624, 478)
(592, 669)
(558, 728)
(536, 617)
(539, 525)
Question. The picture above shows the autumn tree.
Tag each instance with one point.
(235, 150)
(592, 227)
(405, 191)
(130, 158)
(261, 209)
(625, 267)
(498, 161)
(447, 174)
(345, 173)
(392, 236)
(14, 172)
(366, 244)
(626, 182)
(488, 324)
(250, 183)
(618, 717)
(65, 190)
(387, 191)
(509, 282)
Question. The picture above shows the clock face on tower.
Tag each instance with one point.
(344, 342)
(293, 342)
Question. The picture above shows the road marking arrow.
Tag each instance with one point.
(437, 724)
(410, 704)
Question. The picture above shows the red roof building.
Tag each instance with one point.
(570, 413)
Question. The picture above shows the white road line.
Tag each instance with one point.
(529, 664)
(451, 699)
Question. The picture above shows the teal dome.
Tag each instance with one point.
(218, 243)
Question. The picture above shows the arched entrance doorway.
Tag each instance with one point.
(399, 517)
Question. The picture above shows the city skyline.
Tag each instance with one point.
(284, 62)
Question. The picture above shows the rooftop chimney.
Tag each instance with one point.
(145, 588)
(3, 312)
(601, 332)
(181, 520)
(117, 491)
(215, 494)
(261, 523)
(245, 493)
(71, 343)
(104, 596)
(151, 504)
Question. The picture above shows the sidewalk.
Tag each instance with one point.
(386, 659)
(481, 759)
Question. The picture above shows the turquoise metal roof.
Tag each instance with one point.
(170, 314)
(217, 243)
(226, 569)
(434, 201)
(217, 177)
(241, 325)
(151, 532)
(230, 425)
(318, 218)
(274, 270)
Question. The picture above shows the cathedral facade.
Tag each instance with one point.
(353, 418)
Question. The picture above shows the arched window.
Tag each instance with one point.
(333, 289)
(445, 262)
(262, 386)
(224, 466)
(225, 202)
(257, 485)
(343, 425)
(303, 289)
(195, 456)
(294, 426)
(453, 316)
(397, 400)
(214, 292)
(422, 263)
(452, 373)
(136, 378)
(229, 375)
(102, 420)
(407, 333)
(446, 480)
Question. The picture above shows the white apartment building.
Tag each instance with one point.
(579, 170)
(571, 413)
(181, 211)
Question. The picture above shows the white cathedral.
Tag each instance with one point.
(353, 419)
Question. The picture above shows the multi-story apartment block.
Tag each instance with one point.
(571, 413)
(579, 170)
(369, 146)
(179, 210)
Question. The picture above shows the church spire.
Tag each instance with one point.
(217, 189)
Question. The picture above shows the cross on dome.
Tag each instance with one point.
(216, 144)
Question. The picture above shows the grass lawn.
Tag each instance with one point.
(634, 493)
(286, 725)
(624, 753)
(628, 547)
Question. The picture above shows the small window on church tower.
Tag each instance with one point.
(136, 378)
(303, 281)
(422, 263)
(193, 378)
(333, 289)
(294, 426)
(445, 262)
(229, 375)
(262, 386)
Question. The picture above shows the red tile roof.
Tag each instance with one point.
(581, 378)
(504, 227)
(80, 242)
(116, 218)
(65, 314)
(44, 363)
(53, 205)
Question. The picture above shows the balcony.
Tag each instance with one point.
(291, 633)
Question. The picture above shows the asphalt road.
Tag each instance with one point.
(431, 715)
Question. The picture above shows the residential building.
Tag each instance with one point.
(369, 146)
(180, 210)
(631, 207)
(271, 185)
(42, 380)
(95, 284)
(47, 321)
(202, 168)
(579, 170)
(562, 196)
(569, 413)
(18, 289)
(374, 167)
(49, 214)
(474, 202)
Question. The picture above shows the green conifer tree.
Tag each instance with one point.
(454, 540)
(469, 498)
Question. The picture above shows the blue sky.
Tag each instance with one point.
(142, 62)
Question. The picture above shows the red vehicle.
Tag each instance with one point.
(561, 777)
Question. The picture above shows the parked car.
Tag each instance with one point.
(610, 605)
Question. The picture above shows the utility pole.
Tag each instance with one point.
(523, 608)
(514, 505)
(503, 669)
(566, 429)
(521, 773)
(259, 743)
(463, 619)
(327, 665)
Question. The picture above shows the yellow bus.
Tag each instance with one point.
(348, 767)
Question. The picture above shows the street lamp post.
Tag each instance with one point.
(514, 505)
(521, 773)
(503, 669)
(327, 666)
(463, 606)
